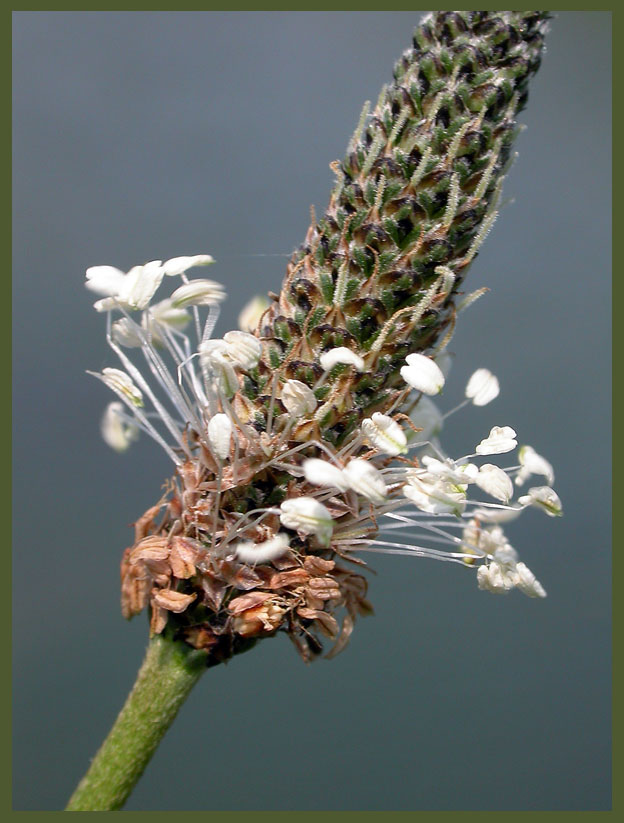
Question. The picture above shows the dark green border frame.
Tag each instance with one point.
(5, 685)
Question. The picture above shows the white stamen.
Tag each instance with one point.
(104, 280)
(545, 498)
(165, 314)
(298, 398)
(198, 293)
(433, 495)
(117, 430)
(384, 434)
(220, 435)
(495, 482)
(253, 553)
(122, 384)
(527, 582)
(243, 349)
(213, 361)
(341, 355)
(423, 373)
(482, 387)
(533, 463)
(127, 333)
(323, 473)
(251, 313)
(366, 480)
(309, 517)
(179, 265)
(501, 439)
(140, 285)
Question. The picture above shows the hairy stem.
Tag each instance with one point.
(169, 672)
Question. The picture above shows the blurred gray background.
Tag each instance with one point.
(142, 135)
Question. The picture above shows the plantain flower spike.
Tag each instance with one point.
(307, 438)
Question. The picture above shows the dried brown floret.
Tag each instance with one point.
(172, 601)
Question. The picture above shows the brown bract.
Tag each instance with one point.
(211, 601)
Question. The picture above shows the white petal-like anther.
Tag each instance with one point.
(450, 471)
(366, 480)
(323, 473)
(166, 314)
(384, 434)
(243, 349)
(104, 280)
(253, 553)
(130, 291)
(178, 265)
(495, 482)
(423, 374)
(308, 516)
(198, 293)
(500, 576)
(544, 498)
(494, 515)
(478, 540)
(298, 398)
(434, 496)
(163, 314)
(220, 435)
(106, 304)
(503, 553)
(209, 348)
(496, 579)
(482, 387)
(533, 463)
(127, 333)
(342, 355)
(214, 361)
(140, 285)
(501, 439)
(117, 431)
(123, 385)
(252, 312)
(527, 583)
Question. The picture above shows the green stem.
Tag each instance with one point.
(169, 672)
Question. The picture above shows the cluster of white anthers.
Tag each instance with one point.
(192, 379)
(375, 487)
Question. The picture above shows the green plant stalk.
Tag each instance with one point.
(169, 672)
